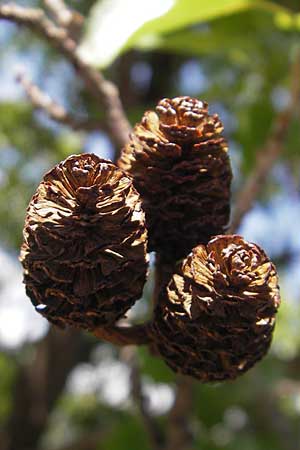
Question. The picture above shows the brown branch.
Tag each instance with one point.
(121, 336)
(102, 90)
(71, 20)
(38, 386)
(179, 436)
(41, 100)
(269, 153)
(129, 355)
(163, 271)
(62, 14)
(88, 441)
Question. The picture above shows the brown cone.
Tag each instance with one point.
(217, 317)
(84, 250)
(180, 166)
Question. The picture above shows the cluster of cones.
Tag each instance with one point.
(91, 223)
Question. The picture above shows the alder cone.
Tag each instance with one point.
(218, 313)
(180, 166)
(84, 250)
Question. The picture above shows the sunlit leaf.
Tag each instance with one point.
(189, 12)
(115, 25)
(111, 24)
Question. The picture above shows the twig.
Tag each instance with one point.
(269, 153)
(61, 12)
(104, 91)
(179, 436)
(121, 336)
(55, 111)
(141, 401)
(66, 18)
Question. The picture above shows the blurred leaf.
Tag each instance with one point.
(287, 21)
(286, 343)
(293, 143)
(167, 16)
(28, 149)
(20, 129)
(189, 12)
(225, 37)
(253, 128)
(155, 367)
(112, 22)
(128, 433)
(84, 411)
(7, 370)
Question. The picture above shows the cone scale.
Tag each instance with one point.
(90, 224)
(84, 238)
(179, 163)
(216, 318)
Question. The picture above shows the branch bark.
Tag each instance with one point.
(62, 14)
(102, 90)
(129, 355)
(41, 100)
(71, 21)
(38, 386)
(89, 441)
(163, 271)
(270, 152)
(179, 436)
(121, 336)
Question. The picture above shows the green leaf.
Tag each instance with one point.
(190, 12)
(127, 434)
(155, 367)
(194, 43)
(135, 21)
(225, 37)
(7, 370)
(111, 24)
(287, 21)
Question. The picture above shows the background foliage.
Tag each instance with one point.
(236, 54)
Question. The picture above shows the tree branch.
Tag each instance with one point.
(88, 441)
(71, 20)
(121, 336)
(164, 269)
(102, 90)
(62, 14)
(41, 100)
(269, 153)
(38, 386)
(129, 355)
(179, 436)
